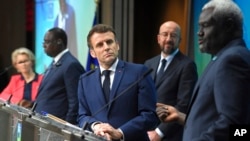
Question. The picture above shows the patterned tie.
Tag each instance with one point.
(161, 71)
(106, 84)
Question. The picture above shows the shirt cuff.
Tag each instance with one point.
(158, 131)
(123, 138)
(93, 124)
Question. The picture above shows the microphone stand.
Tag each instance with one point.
(5, 70)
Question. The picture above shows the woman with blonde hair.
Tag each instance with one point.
(22, 88)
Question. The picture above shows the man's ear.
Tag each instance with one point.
(229, 25)
(118, 47)
(179, 40)
(59, 41)
(92, 53)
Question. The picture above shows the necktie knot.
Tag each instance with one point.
(106, 73)
(163, 62)
(163, 65)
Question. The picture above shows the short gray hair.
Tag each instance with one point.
(225, 9)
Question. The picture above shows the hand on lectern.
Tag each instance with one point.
(25, 103)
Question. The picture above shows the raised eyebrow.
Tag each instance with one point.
(99, 44)
(171, 33)
(205, 23)
(109, 41)
(102, 42)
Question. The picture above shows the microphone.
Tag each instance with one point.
(32, 110)
(6, 69)
(85, 124)
(8, 100)
(18, 108)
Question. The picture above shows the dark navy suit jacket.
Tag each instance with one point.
(133, 112)
(174, 88)
(57, 94)
(221, 97)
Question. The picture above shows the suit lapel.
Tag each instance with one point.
(117, 80)
(98, 87)
(155, 67)
(48, 76)
(54, 68)
(197, 86)
(171, 67)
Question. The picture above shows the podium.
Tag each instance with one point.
(21, 124)
(58, 127)
(13, 126)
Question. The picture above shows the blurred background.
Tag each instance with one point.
(24, 23)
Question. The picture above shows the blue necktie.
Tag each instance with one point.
(106, 84)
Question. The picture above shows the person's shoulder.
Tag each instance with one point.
(131, 64)
(16, 76)
(232, 51)
(233, 47)
(153, 59)
(88, 73)
(236, 53)
(136, 67)
(185, 57)
(70, 59)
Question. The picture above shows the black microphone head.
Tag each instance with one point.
(6, 69)
(32, 110)
(33, 107)
(85, 126)
(9, 67)
(8, 100)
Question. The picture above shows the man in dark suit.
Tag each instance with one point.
(120, 108)
(221, 97)
(57, 94)
(175, 85)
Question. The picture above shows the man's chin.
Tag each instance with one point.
(202, 49)
(111, 59)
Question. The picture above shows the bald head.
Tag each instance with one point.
(169, 37)
(171, 24)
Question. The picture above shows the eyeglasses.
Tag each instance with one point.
(172, 35)
(23, 61)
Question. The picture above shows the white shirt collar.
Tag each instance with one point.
(60, 55)
(170, 57)
(112, 68)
